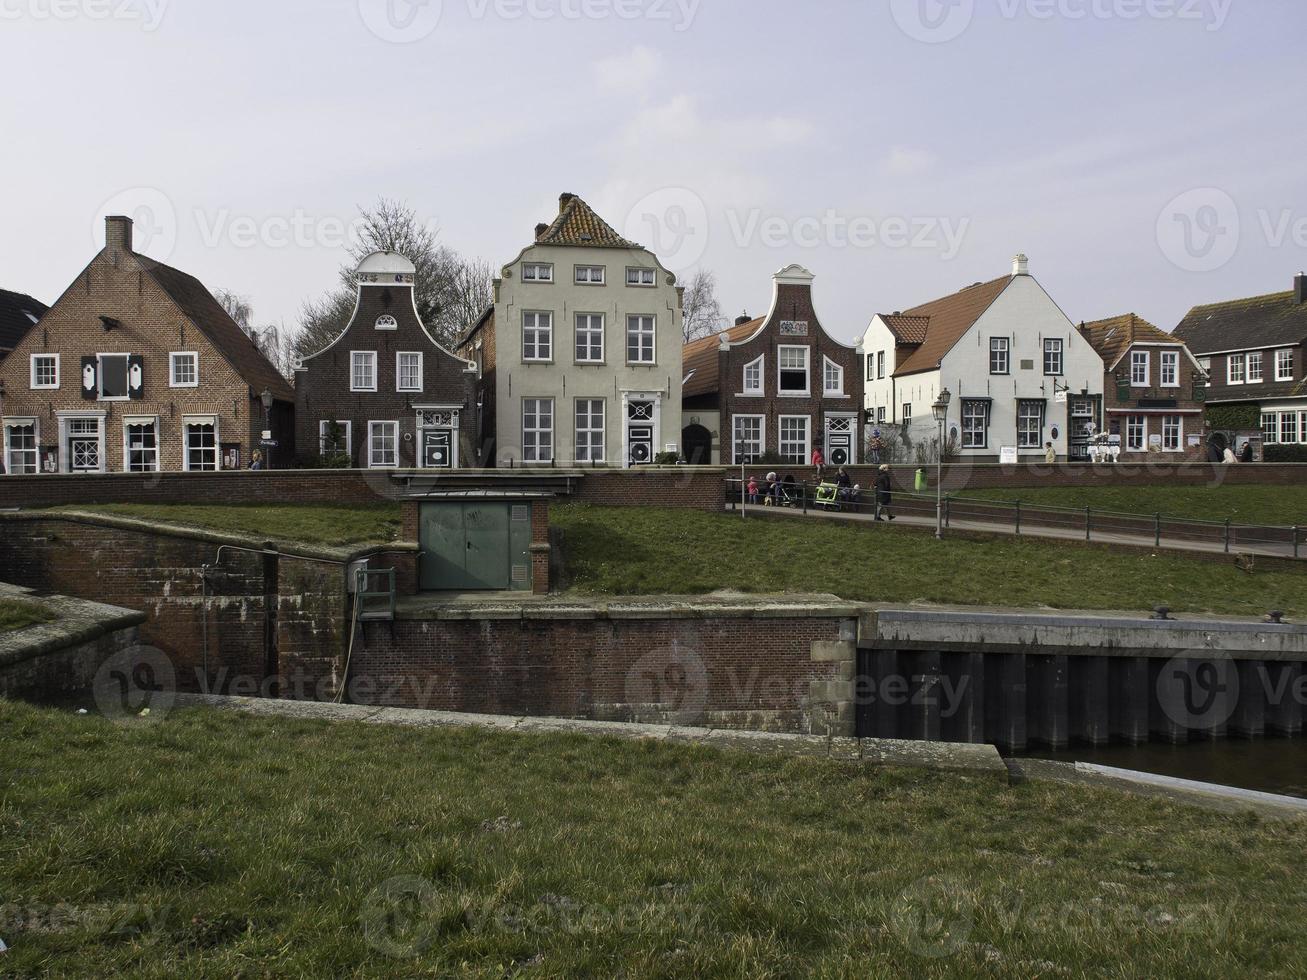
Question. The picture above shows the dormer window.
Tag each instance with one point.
(590, 275)
(832, 378)
(387, 322)
(753, 376)
(537, 272)
(640, 277)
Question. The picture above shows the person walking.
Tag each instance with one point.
(884, 493)
(257, 462)
(753, 490)
(1050, 454)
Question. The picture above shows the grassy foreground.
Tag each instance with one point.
(629, 551)
(1281, 506)
(203, 844)
(307, 523)
(15, 614)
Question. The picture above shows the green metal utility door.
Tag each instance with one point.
(469, 547)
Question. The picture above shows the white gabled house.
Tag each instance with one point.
(1020, 375)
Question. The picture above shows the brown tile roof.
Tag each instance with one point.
(199, 306)
(907, 329)
(577, 224)
(700, 357)
(1114, 336)
(486, 319)
(949, 318)
(1245, 324)
(18, 314)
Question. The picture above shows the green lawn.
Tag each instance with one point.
(629, 551)
(205, 844)
(15, 614)
(1283, 506)
(306, 523)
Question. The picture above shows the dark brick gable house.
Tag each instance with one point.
(780, 384)
(384, 394)
(136, 368)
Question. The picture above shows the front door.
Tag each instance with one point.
(1082, 423)
(839, 440)
(640, 432)
(84, 445)
(471, 547)
(437, 449)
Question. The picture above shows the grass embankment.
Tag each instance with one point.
(1281, 506)
(15, 614)
(217, 845)
(628, 551)
(358, 524)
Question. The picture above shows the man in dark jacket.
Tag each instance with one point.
(884, 494)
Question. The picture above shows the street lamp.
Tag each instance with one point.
(267, 400)
(940, 409)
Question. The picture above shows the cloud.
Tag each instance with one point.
(907, 161)
(634, 70)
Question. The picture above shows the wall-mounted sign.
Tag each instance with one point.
(1008, 455)
(794, 328)
(50, 459)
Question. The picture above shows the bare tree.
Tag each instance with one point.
(237, 307)
(276, 343)
(702, 314)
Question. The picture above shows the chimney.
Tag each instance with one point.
(540, 230)
(118, 232)
(742, 319)
(1300, 288)
(564, 200)
(1021, 266)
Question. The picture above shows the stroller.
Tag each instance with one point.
(790, 492)
(828, 497)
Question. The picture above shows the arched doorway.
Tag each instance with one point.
(696, 442)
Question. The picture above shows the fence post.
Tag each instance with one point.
(1227, 535)
(1157, 538)
(1087, 523)
(1018, 517)
(804, 491)
(948, 500)
(1295, 541)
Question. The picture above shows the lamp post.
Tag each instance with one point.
(940, 409)
(267, 399)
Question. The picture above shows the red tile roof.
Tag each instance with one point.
(1114, 336)
(578, 224)
(949, 318)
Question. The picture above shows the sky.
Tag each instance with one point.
(1147, 155)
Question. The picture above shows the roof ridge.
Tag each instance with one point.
(577, 212)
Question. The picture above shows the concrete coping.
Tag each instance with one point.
(76, 622)
(718, 605)
(980, 760)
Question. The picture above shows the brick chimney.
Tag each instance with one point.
(118, 233)
(1300, 288)
(540, 230)
(564, 200)
(1021, 265)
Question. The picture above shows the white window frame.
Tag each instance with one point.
(58, 374)
(533, 454)
(189, 422)
(1289, 425)
(781, 351)
(1130, 445)
(590, 329)
(1000, 350)
(735, 440)
(172, 369)
(905, 418)
(636, 324)
(1054, 347)
(591, 453)
(1037, 441)
(758, 366)
(1302, 428)
(1260, 359)
(1271, 428)
(803, 457)
(371, 357)
(986, 411)
(1173, 424)
(826, 367)
(1170, 367)
(881, 415)
(399, 372)
(536, 268)
(99, 378)
(380, 424)
(22, 423)
(1281, 356)
(131, 422)
(1230, 362)
(543, 336)
(348, 436)
(641, 276)
(588, 272)
(1144, 359)
(880, 365)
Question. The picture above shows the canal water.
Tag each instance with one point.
(1269, 765)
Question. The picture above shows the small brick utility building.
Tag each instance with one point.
(138, 369)
(384, 394)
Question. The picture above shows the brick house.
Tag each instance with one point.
(18, 314)
(136, 368)
(778, 384)
(1252, 349)
(384, 394)
(1154, 391)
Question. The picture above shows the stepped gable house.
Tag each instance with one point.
(780, 384)
(136, 368)
(385, 394)
(580, 356)
(1153, 388)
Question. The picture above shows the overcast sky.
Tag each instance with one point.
(1148, 155)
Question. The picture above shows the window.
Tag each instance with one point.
(45, 370)
(880, 365)
(201, 444)
(334, 438)
(590, 338)
(1136, 433)
(794, 438)
(1255, 368)
(1030, 424)
(184, 369)
(537, 336)
(1000, 361)
(907, 415)
(383, 444)
(747, 444)
(881, 415)
(640, 277)
(363, 371)
(793, 369)
(590, 430)
(753, 376)
(408, 371)
(1206, 364)
(83, 446)
(537, 272)
(833, 377)
(20, 447)
(1172, 432)
(141, 446)
(1139, 369)
(1270, 428)
(871, 367)
(640, 340)
(1302, 428)
(1283, 365)
(1234, 369)
(113, 376)
(538, 430)
(1170, 369)
(975, 423)
(1288, 427)
(590, 275)
(1053, 356)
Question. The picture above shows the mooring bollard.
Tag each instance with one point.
(1088, 523)
(1018, 517)
(1227, 535)
(1295, 541)
(1157, 538)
